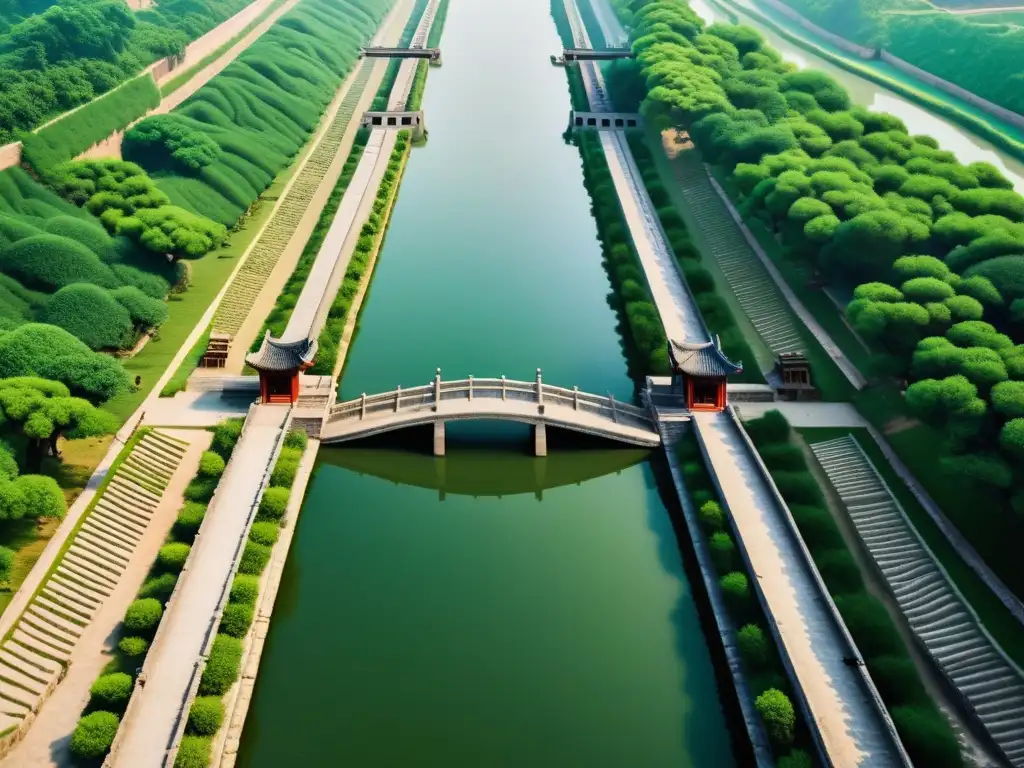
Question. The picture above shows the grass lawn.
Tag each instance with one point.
(1000, 623)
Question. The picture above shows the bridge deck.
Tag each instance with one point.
(498, 399)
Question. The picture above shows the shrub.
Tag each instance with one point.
(839, 570)
(797, 487)
(93, 735)
(211, 464)
(753, 646)
(254, 559)
(817, 528)
(159, 587)
(776, 711)
(264, 533)
(91, 313)
(795, 759)
(736, 590)
(201, 489)
(133, 646)
(145, 311)
(296, 438)
(112, 691)
(172, 557)
(273, 504)
(711, 515)
(770, 428)
(897, 680)
(870, 625)
(287, 466)
(206, 716)
(782, 456)
(6, 561)
(236, 619)
(50, 262)
(222, 666)
(193, 752)
(245, 589)
(190, 519)
(927, 736)
(143, 616)
(723, 551)
(225, 435)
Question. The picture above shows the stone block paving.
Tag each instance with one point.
(937, 613)
(247, 284)
(33, 659)
(747, 278)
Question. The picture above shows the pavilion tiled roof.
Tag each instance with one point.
(277, 355)
(701, 359)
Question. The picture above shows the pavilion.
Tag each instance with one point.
(699, 372)
(279, 364)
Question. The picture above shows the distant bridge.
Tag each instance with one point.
(570, 55)
(378, 52)
(527, 402)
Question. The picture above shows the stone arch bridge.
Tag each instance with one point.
(527, 402)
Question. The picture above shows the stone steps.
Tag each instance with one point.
(935, 611)
(43, 640)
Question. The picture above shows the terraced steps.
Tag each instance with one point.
(757, 294)
(944, 623)
(33, 659)
(247, 284)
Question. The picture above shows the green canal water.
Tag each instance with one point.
(488, 609)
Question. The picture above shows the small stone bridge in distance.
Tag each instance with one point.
(527, 402)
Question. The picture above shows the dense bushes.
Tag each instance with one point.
(776, 711)
(273, 504)
(172, 556)
(142, 616)
(112, 691)
(193, 752)
(93, 735)
(222, 667)
(925, 733)
(90, 313)
(206, 716)
(221, 148)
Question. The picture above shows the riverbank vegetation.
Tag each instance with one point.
(111, 692)
(926, 734)
(944, 44)
(848, 191)
(64, 56)
(220, 149)
(765, 674)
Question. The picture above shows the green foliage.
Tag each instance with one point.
(776, 710)
(205, 716)
(189, 520)
(286, 467)
(93, 735)
(770, 428)
(753, 645)
(264, 533)
(75, 133)
(172, 140)
(245, 589)
(296, 438)
(143, 616)
(273, 504)
(254, 559)
(172, 557)
(172, 231)
(6, 561)
(211, 464)
(795, 759)
(133, 646)
(159, 587)
(927, 736)
(201, 489)
(144, 310)
(711, 516)
(193, 752)
(50, 262)
(92, 314)
(236, 619)
(222, 666)
(723, 551)
(736, 589)
(112, 691)
(225, 436)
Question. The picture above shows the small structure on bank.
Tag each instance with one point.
(794, 373)
(699, 373)
(216, 354)
(279, 364)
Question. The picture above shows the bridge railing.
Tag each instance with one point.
(419, 398)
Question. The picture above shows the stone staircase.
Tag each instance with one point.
(991, 685)
(33, 659)
(753, 287)
(246, 287)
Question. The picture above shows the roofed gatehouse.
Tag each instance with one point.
(699, 373)
(279, 364)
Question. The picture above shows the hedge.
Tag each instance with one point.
(753, 646)
(236, 619)
(225, 436)
(143, 616)
(211, 464)
(93, 735)
(286, 467)
(172, 556)
(254, 559)
(264, 533)
(92, 314)
(133, 646)
(273, 504)
(736, 588)
(112, 691)
(159, 587)
(189, 520)
(201, 489)
(206, 716)
(245, 589)
(50, 262)
(222, 667)
(75, 133)
(193, 752)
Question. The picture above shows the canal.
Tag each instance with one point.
(489, 608)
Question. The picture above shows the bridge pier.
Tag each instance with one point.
(439, 438)
(540, 440)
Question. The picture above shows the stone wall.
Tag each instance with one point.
(10, 155)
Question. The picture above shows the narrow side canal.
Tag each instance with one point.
(487, 609)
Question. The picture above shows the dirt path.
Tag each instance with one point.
(46, 743)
